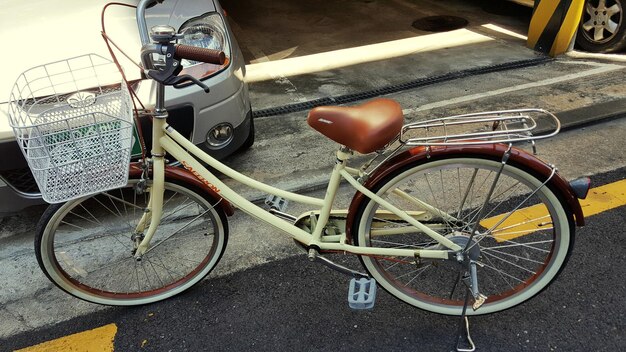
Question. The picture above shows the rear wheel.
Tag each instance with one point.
(86, 246)
(523, 240)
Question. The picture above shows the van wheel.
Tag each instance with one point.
(602, 26)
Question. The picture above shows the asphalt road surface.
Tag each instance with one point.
(294, 305)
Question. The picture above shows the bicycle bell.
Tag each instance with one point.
(163, 33)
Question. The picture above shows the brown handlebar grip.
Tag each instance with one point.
(199, 54)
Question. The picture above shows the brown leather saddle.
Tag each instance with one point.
(364, 128)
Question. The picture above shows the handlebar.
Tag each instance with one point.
(195, 53)
(140, 14)
(164, 37)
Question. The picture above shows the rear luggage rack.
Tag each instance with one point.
(506, 126)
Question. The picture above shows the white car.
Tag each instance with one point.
(37, 32)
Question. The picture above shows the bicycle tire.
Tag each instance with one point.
(522, 255)
(84, 246)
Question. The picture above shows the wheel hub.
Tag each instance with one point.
(462, 240)
(600, 20)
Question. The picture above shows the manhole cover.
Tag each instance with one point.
(440, 23)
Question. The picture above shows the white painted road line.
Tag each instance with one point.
(599, 69)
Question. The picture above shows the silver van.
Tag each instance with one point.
(38, 32)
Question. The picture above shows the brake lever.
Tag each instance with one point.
(177, 82)
(169, 75)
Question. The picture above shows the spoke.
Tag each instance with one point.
(598, 34)
(525, 223)
(526, 245)
(438, 209)
(401, 245)
(90, 214)
(514, 234)
(613, 10)
(177, 231)
(470, 184)
(418, 270)
(95, 270)
(170, 198)
(504, 218)
(418, 274)
(156, 273)
(611, 27)
(588, 26)
(443, 189)
(472, 220)
(510, 263)
(180, 207)
(76, 226)
(105, 207)
(511, 255)
(110, 196)
(143, 267)
(115, 206)
(502, 272)
(503, 200)
(137, 276)
(391, 266)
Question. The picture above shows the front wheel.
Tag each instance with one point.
(86, 246)
(522, 241)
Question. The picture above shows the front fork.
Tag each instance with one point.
(154, 211)
(152, 214)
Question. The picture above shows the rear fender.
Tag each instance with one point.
(185, 176)
(519, 158)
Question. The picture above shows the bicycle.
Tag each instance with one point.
(441, 218)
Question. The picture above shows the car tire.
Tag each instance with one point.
(250, 139)
(602, 27)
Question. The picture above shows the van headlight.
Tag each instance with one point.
(206, 31)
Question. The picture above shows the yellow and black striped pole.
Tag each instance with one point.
(554, 24)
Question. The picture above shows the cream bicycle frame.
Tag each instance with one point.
(165, 138)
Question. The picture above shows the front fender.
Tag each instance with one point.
(185, 176)
(519, 158)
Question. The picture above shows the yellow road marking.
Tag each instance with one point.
(528, 220)
(604, 198)
(96, 340)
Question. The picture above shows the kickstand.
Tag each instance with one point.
(463, 333)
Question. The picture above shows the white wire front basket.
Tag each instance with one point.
(73, 120)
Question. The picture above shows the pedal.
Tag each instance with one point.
(362, 293)
(276, 203)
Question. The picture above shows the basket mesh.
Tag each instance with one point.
(73, 121)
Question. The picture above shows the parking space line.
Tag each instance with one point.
(599, 69)
(95, 340)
